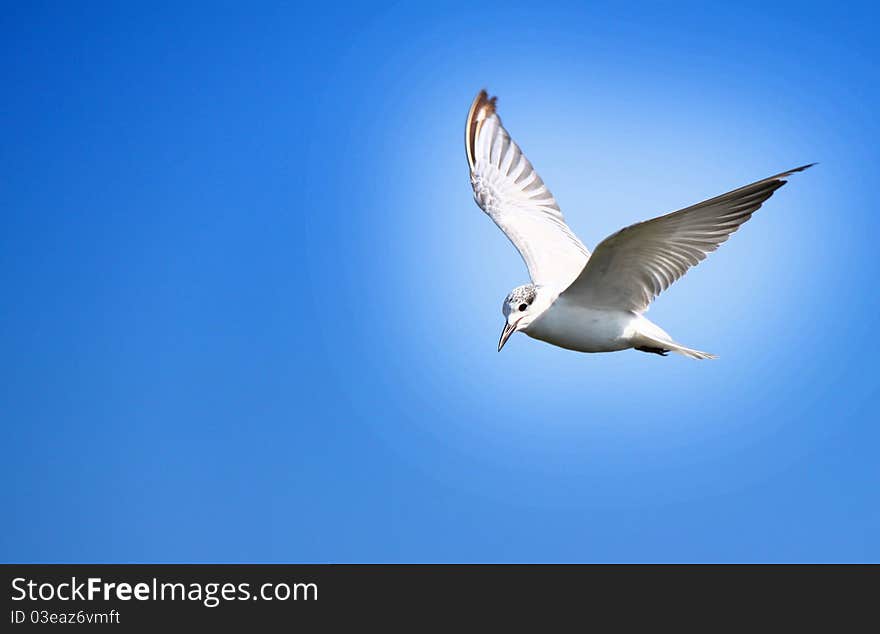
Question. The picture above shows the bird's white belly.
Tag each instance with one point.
(584, 329)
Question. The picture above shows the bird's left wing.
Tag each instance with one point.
(631, 267)
(509, 190)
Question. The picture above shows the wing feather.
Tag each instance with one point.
(509, 190)
(631, 267)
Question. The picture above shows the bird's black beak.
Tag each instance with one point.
(505, 334)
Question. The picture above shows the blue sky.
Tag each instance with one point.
(250, 309)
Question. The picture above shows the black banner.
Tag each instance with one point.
(128, 597)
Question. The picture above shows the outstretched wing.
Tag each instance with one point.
(508, 188)
(631, 267)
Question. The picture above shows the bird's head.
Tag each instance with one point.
(520, 308)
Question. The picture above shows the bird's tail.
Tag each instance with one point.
(690, 352)
(656, 338)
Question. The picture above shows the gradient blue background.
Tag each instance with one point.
(249, 309)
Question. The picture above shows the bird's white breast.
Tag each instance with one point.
(584, 329)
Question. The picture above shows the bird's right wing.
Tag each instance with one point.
(631, 267)
(509, 190)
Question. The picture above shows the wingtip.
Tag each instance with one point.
(489, 103)
(483, 107)
(780, 178)
(802, 168)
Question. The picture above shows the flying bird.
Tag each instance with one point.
(578, 300)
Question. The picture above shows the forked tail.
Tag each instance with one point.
(690, 352)
(656, 340)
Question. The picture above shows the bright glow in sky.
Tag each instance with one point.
(250, 309)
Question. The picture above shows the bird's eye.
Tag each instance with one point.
(522, 307)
